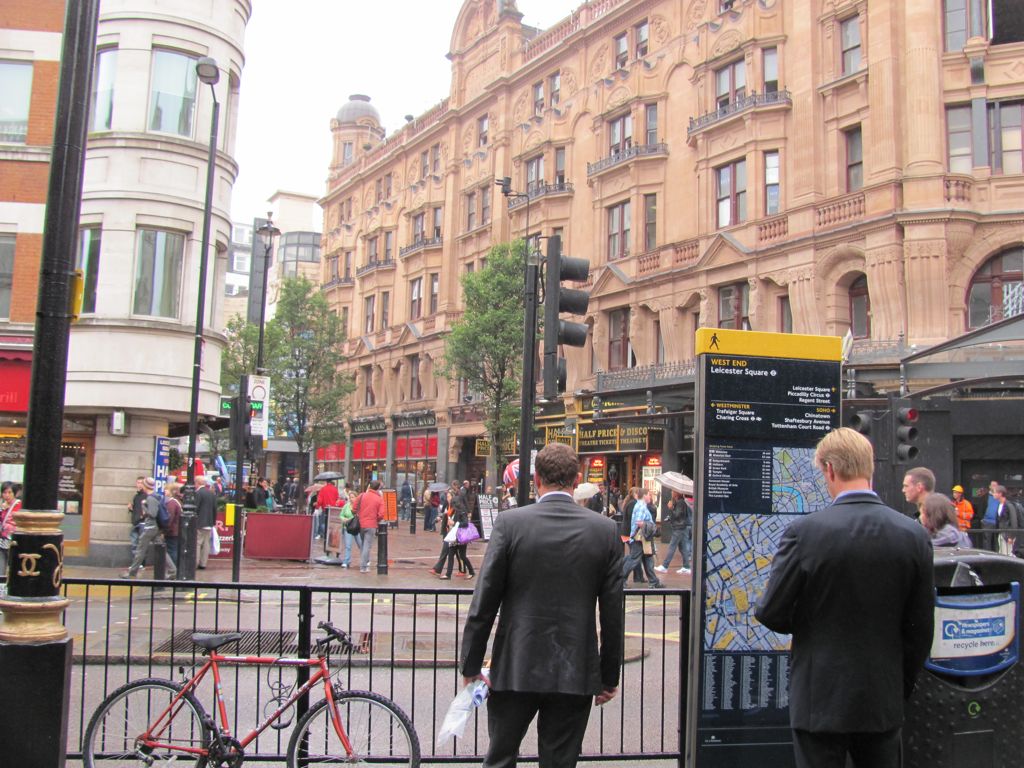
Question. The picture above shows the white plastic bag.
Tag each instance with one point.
(450, 536)
(214, 541)
(462, 706)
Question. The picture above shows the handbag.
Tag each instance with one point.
(353, 526)
(452, 535)
(214, 541)
(466, 534)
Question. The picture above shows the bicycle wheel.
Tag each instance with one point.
(112, 738)
(379, 732)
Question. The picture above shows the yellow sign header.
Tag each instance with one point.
(758, 344)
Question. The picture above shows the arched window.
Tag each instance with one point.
(997, 289)
(860, 308)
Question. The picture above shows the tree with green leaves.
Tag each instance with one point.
(485, 346)
(302, 355)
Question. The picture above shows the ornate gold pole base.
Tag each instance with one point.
(33, 607)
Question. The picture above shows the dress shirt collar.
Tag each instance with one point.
(844, 494)
(552, 494)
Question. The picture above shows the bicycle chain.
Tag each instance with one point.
(226, 753)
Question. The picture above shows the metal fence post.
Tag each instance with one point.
(382, 548)
(305, 645)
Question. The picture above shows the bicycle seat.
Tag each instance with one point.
(213, 642)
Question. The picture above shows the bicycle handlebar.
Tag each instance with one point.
(333, 633)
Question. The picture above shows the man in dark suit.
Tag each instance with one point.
(206, 520)
(546, 567)
(853, 583)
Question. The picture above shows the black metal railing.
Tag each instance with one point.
(684, 372)
(621, 156)
(750, 101)
(408, 643)
(418, 244)
(372, 265)
(540, 189)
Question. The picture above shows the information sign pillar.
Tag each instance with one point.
(764, 400)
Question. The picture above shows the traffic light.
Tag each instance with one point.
(904, 432)
(861, 422)
(556, 300)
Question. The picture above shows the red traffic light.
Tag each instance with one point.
(907, 415)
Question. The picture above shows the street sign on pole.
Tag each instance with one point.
(259, 397)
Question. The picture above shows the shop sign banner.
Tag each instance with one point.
(975, 633)
(364, 426)
(614, 438)
(414, 420)
(161, 461)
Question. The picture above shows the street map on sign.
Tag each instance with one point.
(797, 484)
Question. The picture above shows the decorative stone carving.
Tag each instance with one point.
(535, 139)
(467, 139)
(519, 110)
(695, 14)
(599, 66)
(619, 96)
(727, 42)
(659, 29)
(568, 82)
(705, 307)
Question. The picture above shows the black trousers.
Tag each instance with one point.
(830, 750)
(561, 723)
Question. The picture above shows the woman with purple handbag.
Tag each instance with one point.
(457, 549)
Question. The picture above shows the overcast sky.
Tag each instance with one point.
(303, 58)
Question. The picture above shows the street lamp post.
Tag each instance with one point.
(529, 391)
(268, 231)
(207, 72)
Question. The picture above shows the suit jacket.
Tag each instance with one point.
(206, 507)
(546, 567)
(853, 583)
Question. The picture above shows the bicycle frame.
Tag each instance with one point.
(151, 737)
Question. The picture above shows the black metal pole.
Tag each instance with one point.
(241, 405)
(263, 302)
(188, 539)
(35, 650)
(529, 391)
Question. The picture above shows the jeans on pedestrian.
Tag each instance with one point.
(681, 540)
(429, 517)
(404, 510)
(366, 537)
(172, 548)
(349, 538)
(134, 537)
(150, 534)
(636, 557)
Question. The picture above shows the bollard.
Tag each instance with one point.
(382, 548)
(412, 518)
(157, 555)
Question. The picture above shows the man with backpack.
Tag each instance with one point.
(151, 507)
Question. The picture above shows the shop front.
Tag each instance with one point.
(331, 458)
(622, 455)
(415, 448)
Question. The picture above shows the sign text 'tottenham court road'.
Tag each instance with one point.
(763, 402)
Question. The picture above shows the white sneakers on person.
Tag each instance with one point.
(684, 569)
(660, 568)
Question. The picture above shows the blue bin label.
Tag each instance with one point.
(976, 634)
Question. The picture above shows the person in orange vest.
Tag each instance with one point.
(964, 509)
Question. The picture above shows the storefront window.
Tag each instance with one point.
(70, 483)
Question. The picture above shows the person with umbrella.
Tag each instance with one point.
(431, 501)
(680, 518)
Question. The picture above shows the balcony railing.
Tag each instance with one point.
(684, 372)
(533, 191)
(419, 244)
(372, 265)
(750, 101)
(840, 210)
(336, 281)
(637, 150)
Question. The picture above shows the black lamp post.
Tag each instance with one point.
(207, 72)
(268, 232)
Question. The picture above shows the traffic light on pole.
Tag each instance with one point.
(904, 431)
(861, 422)
(557, 300)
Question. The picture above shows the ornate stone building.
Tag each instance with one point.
(782, 165)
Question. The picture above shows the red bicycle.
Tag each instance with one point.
(157, 722)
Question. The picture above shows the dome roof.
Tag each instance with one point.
(358, 108)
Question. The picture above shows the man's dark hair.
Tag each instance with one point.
(557, 465)
(924, 476)
(375, 485)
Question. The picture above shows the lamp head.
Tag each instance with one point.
(207, 70)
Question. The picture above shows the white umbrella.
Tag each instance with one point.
(677, 481)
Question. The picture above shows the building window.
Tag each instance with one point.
(435, 292)
(731, 182)
(620, 134)
(730, 84)
(172, 99)
(771, 183)
(785, 315)
(344, 322)
(1004, 121)
(371, 250)
(997, 289)
(347, 152)
(733, 303)
(555, 88)
(240, 262)
(416, 298)
(88, 260)
(538, 99)
(7, 243)
(534, 174)
(560, 166)
(101, 107)
(418, 224)
(849, 41)
(369, 313)
(482, 125)
(621, 47)
(770, 66)
(860, 308)
(964, 19)
(641, 35)
(15, 100)
(435, 158)
(332, 269)
(389, 245)
(470, 211)
(620, 352)
(650, 222)
(369, 398)
(958, 139)
(854, 159)
(618, 231)
(651, 124)
(347, 265)
(385, 309)
(158, 270)
(437, 221)
(424, 164)
(415, 385)
(485, 206)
